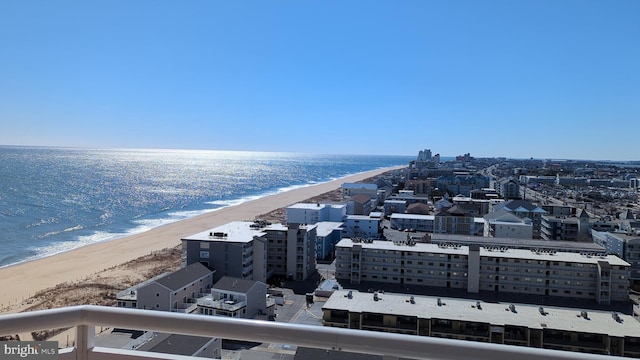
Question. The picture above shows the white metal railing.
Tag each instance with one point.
(86, 317)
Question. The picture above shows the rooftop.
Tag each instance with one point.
(85, 318)
(236, 231)
(426, 307)
(502, 252)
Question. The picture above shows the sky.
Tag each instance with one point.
(526, 78)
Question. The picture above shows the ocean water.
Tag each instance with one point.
(57, 199)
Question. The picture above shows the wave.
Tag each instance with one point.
(130, 205)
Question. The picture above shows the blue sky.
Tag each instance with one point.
(547, 79)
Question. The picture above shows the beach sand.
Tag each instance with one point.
(20, 282)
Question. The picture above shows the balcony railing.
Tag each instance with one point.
(391, 346)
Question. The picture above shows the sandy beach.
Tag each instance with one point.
(21, 281)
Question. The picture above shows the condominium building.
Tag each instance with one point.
(625, 246)
(237, 249)
(567, 228)
(525, 209)
(508, 188)
(254, 250)
(307, 213)
(604, 279)
(362, 226)
(291, 250)
(447, 221)
(328, 234)
(598, 332)
(463, 184)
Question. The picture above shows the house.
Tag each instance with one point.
(234, 297)
(174, 291)
(503, 224)
(418, 208)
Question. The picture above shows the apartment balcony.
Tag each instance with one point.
(392, 346)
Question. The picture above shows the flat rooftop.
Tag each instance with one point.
(324, 228)
(426, 307)
(487, 251)
(314, 206)
(236, 231)
(518, 243)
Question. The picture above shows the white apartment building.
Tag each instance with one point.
(547, 273)
(503, 224)
(308, 213)
(362, 226)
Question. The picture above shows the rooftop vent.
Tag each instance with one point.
(412, 300)
(584, 315)
(616, 317)
(512, 308)
(440, 303)
(349, 295)
(375, 296)
(542, 312)
(478, 305)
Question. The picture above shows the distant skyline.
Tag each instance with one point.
(520, 79)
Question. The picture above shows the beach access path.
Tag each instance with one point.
(21, 281)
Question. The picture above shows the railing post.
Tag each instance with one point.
(85, 341)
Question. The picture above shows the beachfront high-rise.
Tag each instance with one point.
(254, 250)
(237, 249)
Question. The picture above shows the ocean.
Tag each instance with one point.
(54, 200)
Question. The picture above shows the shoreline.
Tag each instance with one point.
(23, 280)
(168, 221)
